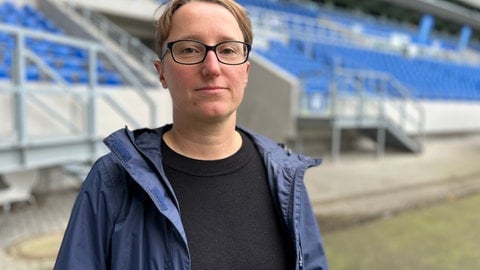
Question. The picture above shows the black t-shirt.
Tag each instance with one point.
(228, 212)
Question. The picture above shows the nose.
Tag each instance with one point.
(211, 65)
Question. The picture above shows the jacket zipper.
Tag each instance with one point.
(293, 214)
(300, 256)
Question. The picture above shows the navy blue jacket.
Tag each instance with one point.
(126, 215)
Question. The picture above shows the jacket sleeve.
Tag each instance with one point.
(86, 240)
(314, 257)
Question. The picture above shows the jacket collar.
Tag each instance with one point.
(125, 143)
(131, 148)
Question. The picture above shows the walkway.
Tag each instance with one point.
(357, 188)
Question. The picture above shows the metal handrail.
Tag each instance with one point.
(398, 93)
(306, 28)
(120, 37)
(273, 24)
(22, 92)
(353, 94)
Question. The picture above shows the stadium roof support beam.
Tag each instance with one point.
(443, 9)
(473, 3)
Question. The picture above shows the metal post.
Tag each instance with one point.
(360, 89)
(4, 225)
(92, 94)
(19, 75)
(381, 133)
(336, 141)
(336, 131)
(381, 121)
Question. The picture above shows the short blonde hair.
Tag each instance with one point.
(164, 24)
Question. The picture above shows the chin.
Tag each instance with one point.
(217, 114)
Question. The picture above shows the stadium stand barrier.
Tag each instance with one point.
(57, 94)
(53, 84)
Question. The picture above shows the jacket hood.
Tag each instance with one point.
(131, 148)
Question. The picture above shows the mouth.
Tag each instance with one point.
(211, 89)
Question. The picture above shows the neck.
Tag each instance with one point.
(204, 142)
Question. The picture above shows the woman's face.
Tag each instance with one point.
(209, 90)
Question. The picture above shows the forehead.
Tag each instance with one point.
(204, 20)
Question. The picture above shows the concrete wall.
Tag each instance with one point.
(270, 101)
(443, 117)
(40, 124)
(134, 16)
(45, 140)
(61, 19)
(109, 120)
(132, 9)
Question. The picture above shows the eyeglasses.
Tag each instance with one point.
(191, 52)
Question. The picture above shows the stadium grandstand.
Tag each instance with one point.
(324, 74)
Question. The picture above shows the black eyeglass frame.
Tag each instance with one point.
(208, 48)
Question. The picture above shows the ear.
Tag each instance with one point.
(159, 67)
(248, 72)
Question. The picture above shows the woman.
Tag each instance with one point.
(200, 193)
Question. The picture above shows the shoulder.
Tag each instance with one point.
(263, 141)
(278, 152)
(106, 178)
(108, 184)
(108, 169)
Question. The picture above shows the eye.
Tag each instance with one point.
(187, 48)
(229, 49)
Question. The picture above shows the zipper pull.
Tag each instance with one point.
(300, 258)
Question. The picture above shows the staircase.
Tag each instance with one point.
(370, 104)
(130, 49)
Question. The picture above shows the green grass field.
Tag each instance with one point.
(441, 237)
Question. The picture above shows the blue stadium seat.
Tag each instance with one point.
(70, 62)
(4, 72)
(428, 78)
(74, 75)
(282, 6)
(110, 78)
(33, 73)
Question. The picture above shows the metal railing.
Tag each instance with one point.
(280, 25)
(374, 100)
(274, 23)
(72, 110)
(375, 95)
(128, 43)
(366, 100)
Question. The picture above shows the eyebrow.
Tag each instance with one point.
(198, 38)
